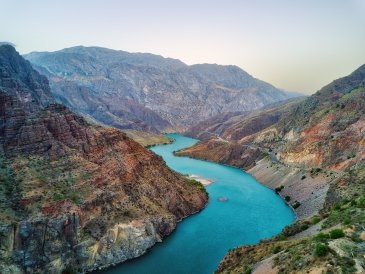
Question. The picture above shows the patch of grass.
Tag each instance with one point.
(277, 249)
(321, 250)
(336, 233)
(54, 180)
(350, 213)
(321, 237)
(58, 197)
(197, 184)
(346, 264)
(315, 220)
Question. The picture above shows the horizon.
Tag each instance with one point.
(298, 47)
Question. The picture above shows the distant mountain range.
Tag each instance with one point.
(148, 92)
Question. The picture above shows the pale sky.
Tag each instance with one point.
(297, 45)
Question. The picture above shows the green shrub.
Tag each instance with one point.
(321, 237)
(58, 197)
(282, 238)
(321, 250)
(315, 220)
(337, 207)
(278, 189)
(346, 221)
(69, 270)
(197, 184)
(361, 202)
(248, 270)
(287, 198)
(303, 177)
(277, 249)
(75, 197)
(336, 233)
(296, 204)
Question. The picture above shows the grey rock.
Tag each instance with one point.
(148, 92)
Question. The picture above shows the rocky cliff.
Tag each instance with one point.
(75, 196)
(148, 92)
(313, 155)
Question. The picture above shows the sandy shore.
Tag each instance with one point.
(200, 179)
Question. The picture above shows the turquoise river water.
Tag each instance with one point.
(251, 213)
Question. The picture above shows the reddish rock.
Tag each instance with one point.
(74, 182)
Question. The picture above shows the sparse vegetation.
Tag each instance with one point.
(321, 250)
(147, 139)
(336, 233)
(321, 237)
(196, 184)
(296, 204)
(279, 188)
(315, 220)
(10, 191)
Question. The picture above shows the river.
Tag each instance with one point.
(252, 212)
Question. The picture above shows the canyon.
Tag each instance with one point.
(77, 191)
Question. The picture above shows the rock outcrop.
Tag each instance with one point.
(75, 196)
(148, 92)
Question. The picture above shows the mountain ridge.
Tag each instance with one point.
(176, 94)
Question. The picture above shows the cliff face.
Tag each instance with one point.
(145, 91)
(327, 130)
(73, 194)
